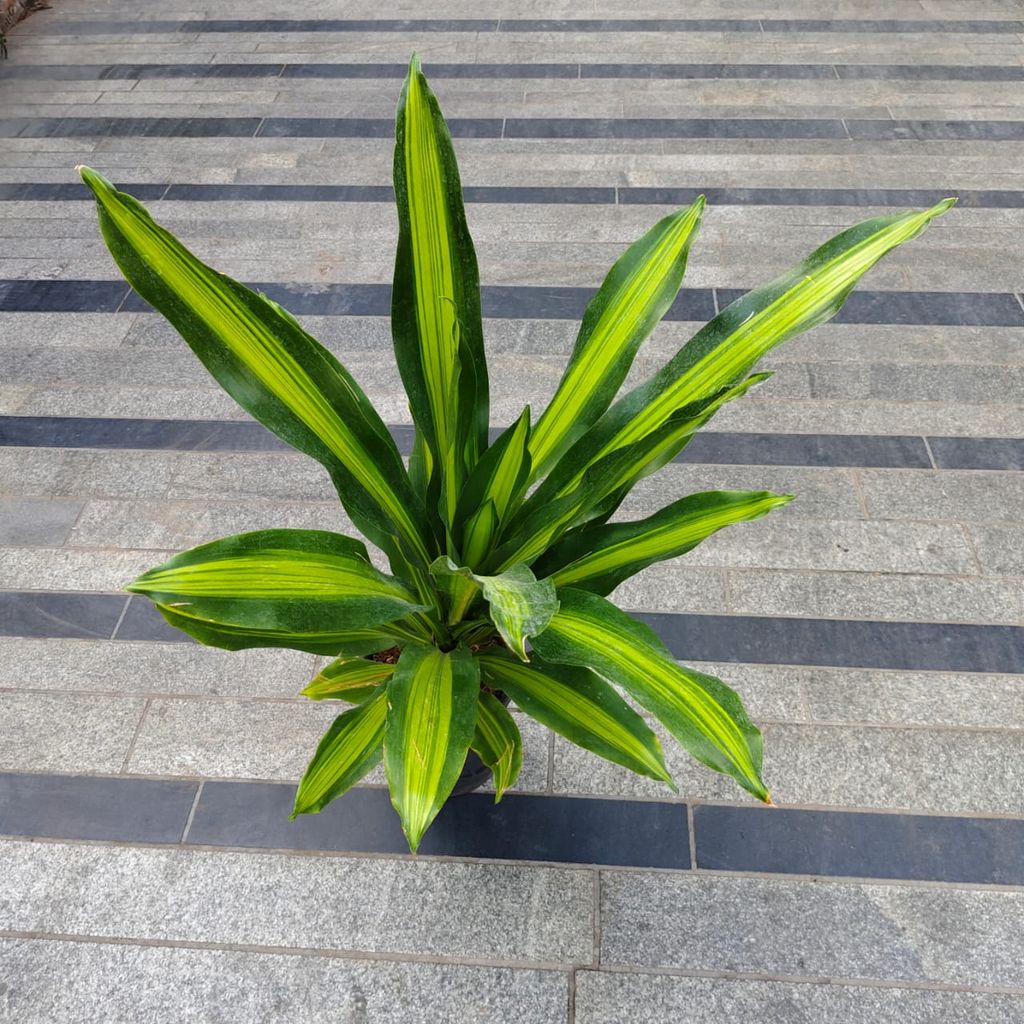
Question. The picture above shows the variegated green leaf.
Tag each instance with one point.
(497, 743)
(292, 580)
(432, 710)
(262, 357)
(435, 313)
(599, 558)
(348, 678)
(583, 708)
(349, 749)
(723, 351)
(700, 711)
(559, 504)
(495, 485)
(638, 290)
(479, 533)
(331, 641)
(520, 605)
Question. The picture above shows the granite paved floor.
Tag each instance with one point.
(874, 626)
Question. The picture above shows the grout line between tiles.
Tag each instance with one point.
(192, 810)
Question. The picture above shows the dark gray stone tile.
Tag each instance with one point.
(32, 613)
(672, 128)
(983, 309)
(704, 71)
(978, 452)
(521, 827)
(25, 521)
(65, 296)
(164, 435)
(963, 131)
(142, 621)
(919, 847)
(934, 72)
(367, 128)
(80, 807)
(128, 127)
(841, 642)
(726, 448)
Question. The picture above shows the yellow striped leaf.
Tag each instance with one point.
(349, 749)
(261, 356)
(497, 743)
(432, 710)
(493, 489)
(599, 558)
(700, 711)
(436, 324)
(348, 678)
(559, 504)
(724, 350)
(331, 641)
(302, 581)
(580, 706)
(635, 295)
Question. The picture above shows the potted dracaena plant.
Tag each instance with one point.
(501, 553)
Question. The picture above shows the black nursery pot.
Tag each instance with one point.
(474, 772)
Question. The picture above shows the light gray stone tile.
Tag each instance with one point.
(940, 770)
(36, 522)
(135, 983)
(811, 929)
(155, 403)
(168, 526)
(610, 997)
(231, 738)
(964, 495)
(912, 698)
(865, 416)
(787, 542)
(1000, 549)
(225, 475)
(769, 692)
(42, 732)
(850, 595)
(821, 493)
(82, 472)
(148, 669)
(69, 569)
(673, 588)
(65, 330)
(490, 912)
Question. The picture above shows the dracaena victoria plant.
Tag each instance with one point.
(502, 553)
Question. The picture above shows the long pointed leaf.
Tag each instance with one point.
(330, 641)
(726, 348)
(580, 706)
(638, 290)
(349, 749)
(494, 486)
(292, 580)
(700, 711)
(262, 357)
(560, 504)
(438, 332)
(497, 743)
(432, 709)
(599, 558)
(347, 678)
